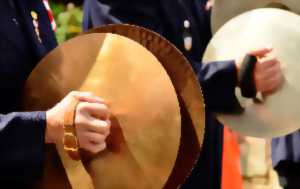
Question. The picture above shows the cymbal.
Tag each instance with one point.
(188, 91)
(278, 114)
(146, 121)
(224, 10)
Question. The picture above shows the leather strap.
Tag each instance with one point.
(246, 78)
(70, 141)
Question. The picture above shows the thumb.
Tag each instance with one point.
(261, 52)
(88, 97)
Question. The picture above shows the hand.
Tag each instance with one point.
(268, 75)
(91, 121)
(209, 4)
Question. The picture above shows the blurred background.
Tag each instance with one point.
(68, 17)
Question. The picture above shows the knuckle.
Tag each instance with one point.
(108, 124)
(82, 106)
(259, 62)
(73, 93)
(274, 61)
(80, 121)
(274, 58)
(106, 131)
(270, 57)
(103, 107)
(88, 94)
(95, 125)
(98, 138)
(100, 126)
(104, 125)
(107, 134)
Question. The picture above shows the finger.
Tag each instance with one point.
(264, 85)
(269, 72)
(96, 110)
(263, 65)
(85, 137)
(275, 82)
(261, 51)
(95, 138)
(99, 126)
(88, 97)
(272, 84)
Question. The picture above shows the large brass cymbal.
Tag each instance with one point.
(279, 113)
(145, 135)
(188, 91)
(224, 10)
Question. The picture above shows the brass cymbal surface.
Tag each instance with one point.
(278, 114)
(146, 121)
(188, 92)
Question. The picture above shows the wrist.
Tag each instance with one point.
(52, 128)
(48, 138)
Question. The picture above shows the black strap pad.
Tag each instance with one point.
(246, 77)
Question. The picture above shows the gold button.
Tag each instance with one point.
(34, 15)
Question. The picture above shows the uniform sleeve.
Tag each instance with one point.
(218, 81)
(22, 145)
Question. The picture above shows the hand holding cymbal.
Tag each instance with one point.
(267, 73)
(91, 123)
(277, 114)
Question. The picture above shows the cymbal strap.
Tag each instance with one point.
(70, 141)
(246, 77)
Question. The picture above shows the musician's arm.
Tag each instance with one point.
(218, 81)
(22, 138)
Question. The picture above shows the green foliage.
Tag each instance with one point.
(68, 19)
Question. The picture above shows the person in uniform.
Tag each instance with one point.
(186, 23)
(26, 37)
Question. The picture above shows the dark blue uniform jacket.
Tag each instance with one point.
(21, 133)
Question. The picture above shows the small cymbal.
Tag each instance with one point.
(279, 113)
(224, 10)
